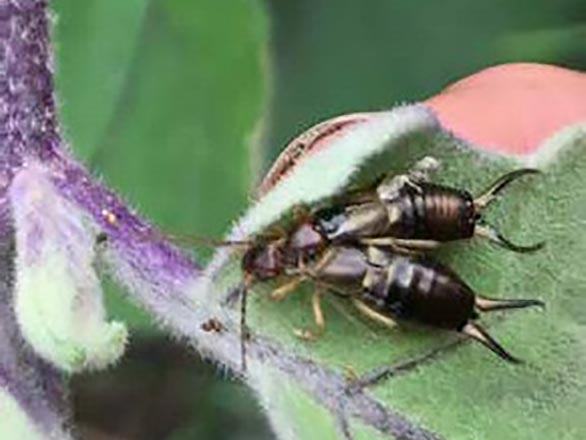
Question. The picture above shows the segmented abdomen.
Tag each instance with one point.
(419, 290)
(431, 212)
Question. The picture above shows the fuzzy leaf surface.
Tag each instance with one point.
(466, 392)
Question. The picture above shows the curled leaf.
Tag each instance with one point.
(58, 298)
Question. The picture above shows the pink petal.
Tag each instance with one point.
(512, 107)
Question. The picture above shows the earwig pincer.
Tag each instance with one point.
(411, 212)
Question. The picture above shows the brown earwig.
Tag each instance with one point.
(389, 287)
(384, 285)
(411, 212)
(404, 212)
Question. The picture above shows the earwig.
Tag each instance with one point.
(389, 288)
(363, 252)
(410, 212)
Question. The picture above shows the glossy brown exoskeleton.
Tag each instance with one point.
(411, 212)
(402, 214)
(389, 287)
(383, 285)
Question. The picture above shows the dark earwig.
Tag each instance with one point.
(417, 289)
(410, 212)
(348, 250)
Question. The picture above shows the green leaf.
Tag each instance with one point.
(57, 297)
(544, 43)
(97, 42)
(346, 56)
(285, 402)
(468, 392)
(187, 115)
(185, 88)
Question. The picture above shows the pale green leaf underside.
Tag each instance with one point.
(468, 392)
(15, 422)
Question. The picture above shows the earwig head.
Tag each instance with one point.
(263, 261)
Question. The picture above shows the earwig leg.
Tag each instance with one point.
(378, 256)
(401, 244)
(478, 333)
(352, 318)
(493, 190)
(318, 316)
(374, 315)
(280, 293)
(489, 304)
(323, 262)
(495, 237)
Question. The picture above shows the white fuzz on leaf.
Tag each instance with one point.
(15, 422)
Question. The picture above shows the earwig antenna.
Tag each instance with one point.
(478, 333)
(194, 240)
(206, 242)
(493, 190)
(495, 237)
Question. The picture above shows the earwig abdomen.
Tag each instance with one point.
(425, 212)
(408, 213)
(419, 290)
(387, 286)
(431, 212)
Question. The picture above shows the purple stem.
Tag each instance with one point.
(158, 273)
(28, 127)
(29, 131)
